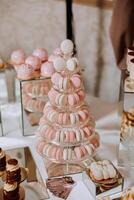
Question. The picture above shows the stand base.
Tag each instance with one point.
(62, 169)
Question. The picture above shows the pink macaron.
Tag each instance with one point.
(78, 152)
(47, 69)
(55, 78)
(71, 100)
(59, 154)
(81, 94)
(18, 57)
(53, 152)
(82, 115)
(67, 137)
(40, 147)
(95, 140)
(34, 62)
(50, 134)
(76, 81)
(52, 94)
(72, 136)
(41, 53)
(65, 118)
(83, 150)
(60, 118)
(88, 131)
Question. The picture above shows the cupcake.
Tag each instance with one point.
(2, 162)
(13, 171)
(41, 54)
(11, 191)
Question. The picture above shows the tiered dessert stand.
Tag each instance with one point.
(67, 130)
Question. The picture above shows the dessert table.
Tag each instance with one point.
(106, 116)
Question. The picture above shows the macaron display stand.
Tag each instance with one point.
(66, 134)
(126, 116)
(33, 98)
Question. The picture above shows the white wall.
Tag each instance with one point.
(41, 23)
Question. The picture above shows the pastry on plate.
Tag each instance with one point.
(104, 175)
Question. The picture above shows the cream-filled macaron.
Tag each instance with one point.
(59, 64)
(67, 46)
(71, 64)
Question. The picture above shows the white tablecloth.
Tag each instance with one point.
(107, 126)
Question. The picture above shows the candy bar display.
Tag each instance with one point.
(67, 128)
(103, 179)
(126, 147)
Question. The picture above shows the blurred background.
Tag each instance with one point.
(29, 24)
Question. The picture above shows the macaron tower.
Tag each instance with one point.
(67, 129)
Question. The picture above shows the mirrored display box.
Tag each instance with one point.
(33, 98)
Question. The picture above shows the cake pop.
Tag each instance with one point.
(18, 57)
(34, 62)
(41, 54)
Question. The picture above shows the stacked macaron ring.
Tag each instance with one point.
(67, 129)
(70, 154)
(63, 82)
(63, 99)
(66, 135)
(67, 118)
